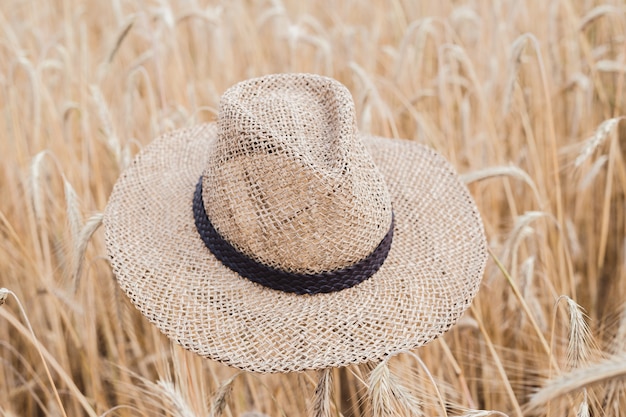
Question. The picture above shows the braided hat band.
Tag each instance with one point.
(323, 282)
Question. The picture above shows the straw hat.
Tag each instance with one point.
(281, 239)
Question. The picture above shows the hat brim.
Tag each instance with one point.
(428, 280)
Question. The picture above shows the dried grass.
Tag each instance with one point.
(322, 396)
(594, 142)
(526, 99)
(578, 379)
(388, 397)
(179, 407)
(580, 340)
(504, 171)
(4, 293)
(218, 402)
(81, 241)
(483, 413)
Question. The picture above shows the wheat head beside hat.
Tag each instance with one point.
(280, 238)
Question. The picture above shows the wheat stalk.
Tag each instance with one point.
(580, 338)
(83, 238)
(483, 413)
(180, 407)
(578, 379)
(322, 395)
(500, 171)
(218, 402)
(591, 144)
(4, 294)
(583, 408)
(388, 396)
(596, 13)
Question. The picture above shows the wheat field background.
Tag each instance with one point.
(525, 98)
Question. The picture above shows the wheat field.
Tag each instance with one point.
(525, 98)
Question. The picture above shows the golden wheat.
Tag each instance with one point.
(526, 99)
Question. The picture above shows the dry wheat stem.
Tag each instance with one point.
(583, 409)
(593, 172)
(515, 61)
(618, 342)
(386, 393)
(119, 407)
(218, 402)
(4, 293)
(606, 207)
(578, 379)
(83, 238)
(419, 360)
(591, 144)
(596, 13)
(580, 339)
(180, 406)
(483, 413)
(459, 373)
(524, 305)
(511, 171)
(498, 363)
(530, 294)
(48, 358)
(322, 395)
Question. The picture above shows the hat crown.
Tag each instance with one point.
(288, 182)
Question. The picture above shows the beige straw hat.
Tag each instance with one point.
(281, 239)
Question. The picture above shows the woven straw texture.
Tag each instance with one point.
(289, 182)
